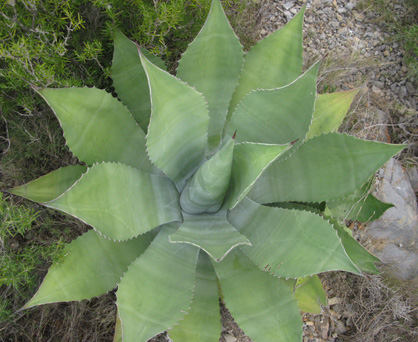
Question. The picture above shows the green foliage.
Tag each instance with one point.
(182, 190)
(409, 36)
(68, 42)
(20, 257)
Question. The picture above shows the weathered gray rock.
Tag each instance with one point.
(394, 237)
(413, 176)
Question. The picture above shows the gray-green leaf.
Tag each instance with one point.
(119, 201)
(289, 243)
(92, 266)
(157, 289)
(323, 168)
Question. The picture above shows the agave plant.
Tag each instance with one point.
(224, 181)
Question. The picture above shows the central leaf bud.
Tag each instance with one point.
(205, 190)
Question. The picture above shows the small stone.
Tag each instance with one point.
(386, 53)
(334, 300)
(379, 84)
(342, 10)
(230, 338)
(288, 15)
(288, 5)
(340, 328)
(395, 88)
(376, 90)
(350, 6)
(410, 87)
(403, 92)
(334, 24)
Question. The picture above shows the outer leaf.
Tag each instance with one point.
(89, 117)
(330, 110)
(177, 134)
(250, 161)
(119, 201)
(91, 267)
(129, 78)
(157, 288)
(289, 243)
(262, 305)
(50, 186)
(360, 256)
(310, 294)
(273, 62)
(361, 206)
(203, 322)
(210, 232)
(205, 191)
(212, 64)
(324, 168)
(276, 116)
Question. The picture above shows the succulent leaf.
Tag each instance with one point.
(177, 133)
(361, 206)
(92, 266)
(88, 117)
(130, 80)
(157, 289)
(262, 305)
(212, 64)
(203, 321)
(210, 232)
(289, 243)
(50, 186)
(276, 116)
(323, 168)
(123, 207)
(205, 191)
(250, 161)
(273, 62)
(310, 294)
(330, 110)
(363, 259)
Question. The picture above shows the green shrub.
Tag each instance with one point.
(19, 256)
(69, 42)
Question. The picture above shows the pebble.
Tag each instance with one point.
(288, 5)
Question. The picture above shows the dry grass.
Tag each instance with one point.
(84, 321)
(379, 312)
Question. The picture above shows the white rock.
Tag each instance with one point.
(288, 5)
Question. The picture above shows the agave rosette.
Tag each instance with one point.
(225, 180)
